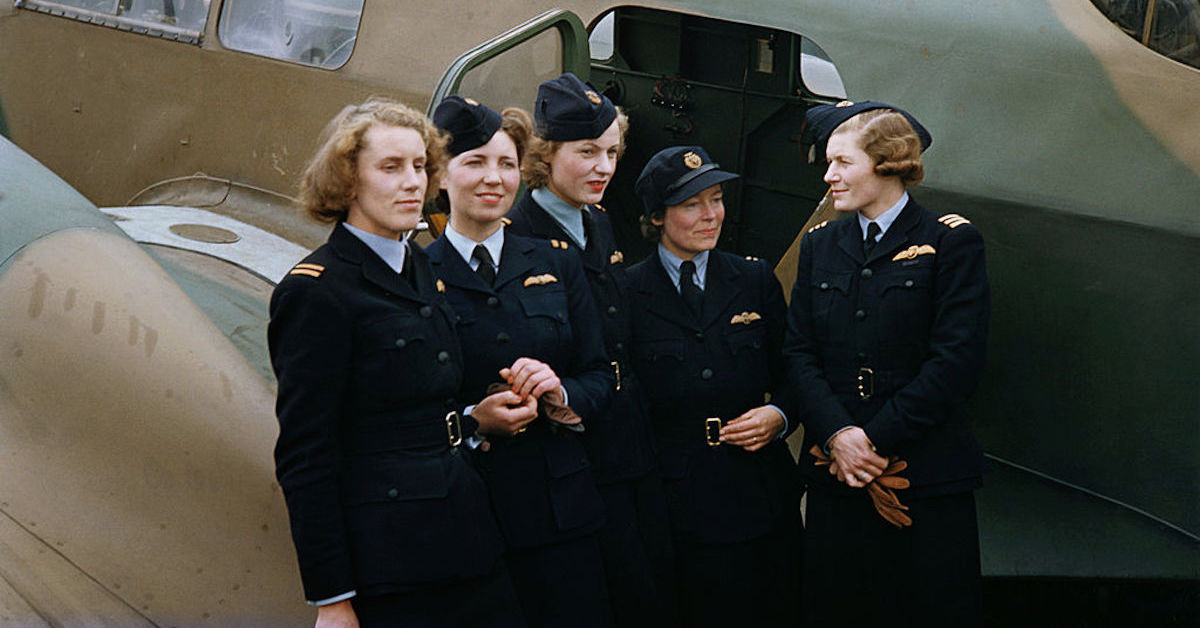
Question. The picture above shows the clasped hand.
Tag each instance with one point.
(855, 462)
(509, 412)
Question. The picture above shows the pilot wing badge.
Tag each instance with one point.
(745, 318)
(540, 280)
(913, 251)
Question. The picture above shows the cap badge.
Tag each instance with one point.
(692, 160)
(593, 97)
(845, 103)
(471, 101)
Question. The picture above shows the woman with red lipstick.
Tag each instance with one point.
(887, 331)
(572, 157)
(526, 320)
(707, 328)
(392, 525)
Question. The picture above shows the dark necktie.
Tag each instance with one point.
(687, 287)
(870, 241)
(486, 270)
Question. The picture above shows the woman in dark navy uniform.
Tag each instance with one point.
(886, 337)
(707, 327)
(527, 319)
(391, 523)
(579, 135)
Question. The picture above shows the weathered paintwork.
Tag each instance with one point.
(1073, 148)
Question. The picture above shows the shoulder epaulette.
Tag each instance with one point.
(601, 208)
(506, 220)
(953, 220)
(818, 226)
(558, 244)
(312, 270)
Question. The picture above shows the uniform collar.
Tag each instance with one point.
(671, 263)
(466, 246)
(885, 219)
(392, 252)
(570, 218)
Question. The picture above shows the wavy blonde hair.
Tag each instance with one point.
(887, 137)
(536, 168)
(327, 185)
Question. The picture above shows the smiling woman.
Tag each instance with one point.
(390, 521)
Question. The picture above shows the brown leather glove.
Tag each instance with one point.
(557, 413)
(882, 489)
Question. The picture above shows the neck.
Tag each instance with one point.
(476, 231)
(550, 186)
(884, 202)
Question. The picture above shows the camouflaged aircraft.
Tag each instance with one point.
(136, 398)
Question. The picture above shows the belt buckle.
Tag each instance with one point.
(453, 429)
(866, 383)
(712, 431)
(617, 371)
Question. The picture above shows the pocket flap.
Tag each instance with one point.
(564, 456)
(395, 477)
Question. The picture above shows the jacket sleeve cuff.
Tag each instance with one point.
(333, 600)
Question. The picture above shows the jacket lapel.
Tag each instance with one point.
(450, 267)
(661, 297)
(722, 283)
(516, 259)
(545, 227)
(897, 234)
(850, 239)
(374, 269)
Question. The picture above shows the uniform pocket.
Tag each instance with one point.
(746, 338)
(395, 478)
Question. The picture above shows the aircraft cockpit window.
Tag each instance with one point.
(817, 71)
(320, 34)
(180, 20)
(1168, 27)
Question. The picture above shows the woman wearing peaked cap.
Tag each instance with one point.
(392, 525)
(578, 139)
(886, 337)
(707, 328)
(526, 319)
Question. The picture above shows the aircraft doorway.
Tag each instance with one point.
(738, 90)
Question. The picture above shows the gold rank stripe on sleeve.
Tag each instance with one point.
(558, 244)
(311, 270)
(616, 258)
(818, 226)
(913, 251)
(953, 220)
(745, 318)
(540, 280)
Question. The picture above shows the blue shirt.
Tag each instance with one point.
(392, 252)
(885, 219)
(672, 262)
(466, 246)
(565, 214)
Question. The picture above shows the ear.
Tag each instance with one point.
(657, 221)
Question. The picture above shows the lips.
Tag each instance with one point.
(490, 199)
(597, 186)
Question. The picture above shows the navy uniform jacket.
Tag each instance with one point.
(916, 315)
(541, 483)
(620, 442)
(368, 366)
(721, 365)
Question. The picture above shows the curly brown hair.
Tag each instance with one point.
(536, 168)
(329, 179)
(887, 137)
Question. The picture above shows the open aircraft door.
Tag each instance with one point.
(739, 90)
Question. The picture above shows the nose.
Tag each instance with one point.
(830, 174)
(491, 175)
(606, 164)
(413, 179)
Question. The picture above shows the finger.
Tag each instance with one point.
(506, 374)
(548, 384)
